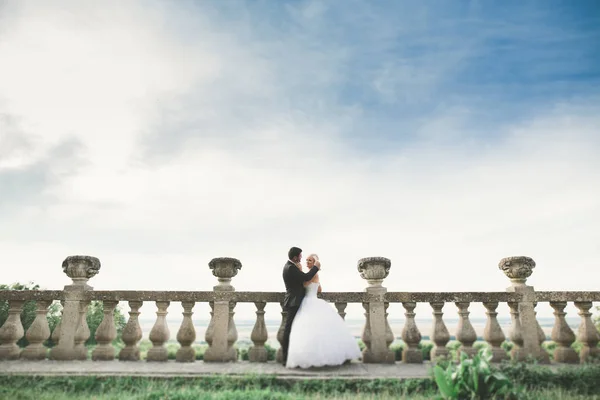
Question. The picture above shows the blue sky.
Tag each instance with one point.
(443, 135)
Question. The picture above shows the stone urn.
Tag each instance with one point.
(517, 269)
(374, 270)
(224, 268)
(81, 268)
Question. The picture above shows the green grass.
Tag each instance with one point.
(569, 384)
(266, 394)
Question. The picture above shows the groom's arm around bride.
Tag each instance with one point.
(294, 279)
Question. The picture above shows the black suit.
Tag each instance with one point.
(294, 293)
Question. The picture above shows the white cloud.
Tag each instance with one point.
(252, 170)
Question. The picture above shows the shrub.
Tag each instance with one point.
(473, 378)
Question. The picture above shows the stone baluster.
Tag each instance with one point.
(106, 333)
(186, 335)
(259, 335)
(38, 333)
(232, 335)
(587, 333)
(221, 349)
(389, 334)
(56, 332)
(210, 329)
(82, 334)
(132, 333)
(11, 332)
(439, 333)
(544, 357)
(563, 335)
(366, 332)
(411, 336)
(465, 333)
(159, 335)
(518, 269)
(492, 333)
(80, 269)
(280, 332)
(374, 270)
(341, 307)
(516, 335)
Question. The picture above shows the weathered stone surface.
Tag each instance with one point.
(132, 334)
(465, 333)
(81, 268)
(11, 332)
(105, 334)
(224, 268)
(374, 269)
(451, 297)
(439, 333)
(518, 268)
(492, 332)
(563, 335)
(186, 335)
(566, 296)
(37, 334)
(411, 336)
(159, 334)
(35, 295)
(259, 335)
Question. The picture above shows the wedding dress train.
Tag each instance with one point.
(319, 336)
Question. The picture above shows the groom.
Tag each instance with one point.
(294, 279)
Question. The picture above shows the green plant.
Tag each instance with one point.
(95, 314)
(473, 378)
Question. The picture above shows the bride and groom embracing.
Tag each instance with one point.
(315, 334)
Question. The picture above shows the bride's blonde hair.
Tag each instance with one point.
(313, 255)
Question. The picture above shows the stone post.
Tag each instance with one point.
(186, 335)
(259, 335)
(280, 332)
(79, 269)
(374, 270)
(11, 332)
(518, 269)
(106, 333)
(132, 333)
(38, 333)
(439, 333)
(219, 350)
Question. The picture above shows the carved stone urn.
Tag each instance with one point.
(81, 268)
(224, 268)
(374, 270)
(517, 269)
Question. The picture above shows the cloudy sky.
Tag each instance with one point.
(156, 135)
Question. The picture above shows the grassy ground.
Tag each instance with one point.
(229, 388)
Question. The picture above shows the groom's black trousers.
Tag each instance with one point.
(291, 314)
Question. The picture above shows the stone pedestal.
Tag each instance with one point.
(80, 269)
(374, 270)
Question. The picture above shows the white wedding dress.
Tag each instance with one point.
(319, 336)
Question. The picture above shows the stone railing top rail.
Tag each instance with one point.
(27, 295)
(567, 296)
(277, 297)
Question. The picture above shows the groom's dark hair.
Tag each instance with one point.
(294, 252)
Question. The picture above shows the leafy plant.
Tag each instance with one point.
(94, 316)
(473, 378)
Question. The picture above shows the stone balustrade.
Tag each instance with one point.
(221, 334)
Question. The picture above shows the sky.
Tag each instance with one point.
(157, 135)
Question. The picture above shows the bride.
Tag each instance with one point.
(319, 335)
